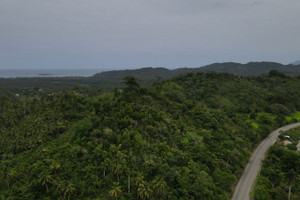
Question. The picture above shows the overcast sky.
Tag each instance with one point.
(140, 33)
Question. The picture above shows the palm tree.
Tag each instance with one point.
(145, 191)
(59, 187)
(65, 190)
(139, 181)
(104, 165)
(69, 190)
(45, 180)
(128, 172)
(116, 191)
(292, 177)
(140, 190)
(118, 169)
(159, 187)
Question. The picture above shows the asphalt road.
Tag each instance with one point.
(242, 190)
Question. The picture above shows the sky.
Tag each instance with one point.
(119, 34)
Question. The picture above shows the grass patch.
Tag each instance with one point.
(296, 115)
(288, 118)
(255, 124)
(265, 116)
(252, 190)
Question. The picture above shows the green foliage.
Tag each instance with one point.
(280, 171)
(274, 73)
(262, 190)
(296, 115)
(186, 138)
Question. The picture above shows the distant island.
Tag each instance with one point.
(46, 74)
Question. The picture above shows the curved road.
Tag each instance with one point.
(242, 190)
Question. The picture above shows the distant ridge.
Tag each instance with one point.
(249, 69)
(296, 63)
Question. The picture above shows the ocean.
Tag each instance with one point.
(15, 73)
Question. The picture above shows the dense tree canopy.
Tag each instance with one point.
(185, 138)
(280, 174)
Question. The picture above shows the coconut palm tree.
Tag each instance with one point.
(118, 170)
(65, 189)
(292, 177)
(69, 190)
(45, 180)
(145, 191)
(116, 191)
(59, 187)
(159, 187)
(139, 181)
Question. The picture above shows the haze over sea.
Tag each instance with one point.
(14, 73)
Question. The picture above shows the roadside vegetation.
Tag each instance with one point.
(280, 174)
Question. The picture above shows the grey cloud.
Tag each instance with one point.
(141, 32)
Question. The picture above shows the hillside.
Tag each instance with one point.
(252, 68)
(249, 69)
(185, 138)
(110, 80)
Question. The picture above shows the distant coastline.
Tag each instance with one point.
(28, 73)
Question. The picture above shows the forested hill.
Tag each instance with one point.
(110, 80)
(249, 69)
(252, 68)
(186, 138)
